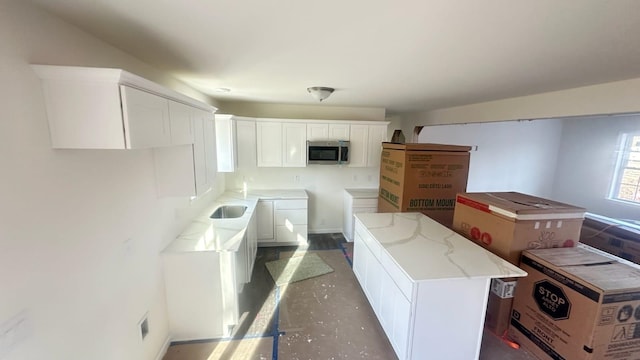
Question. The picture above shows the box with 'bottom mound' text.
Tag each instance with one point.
(577, 304)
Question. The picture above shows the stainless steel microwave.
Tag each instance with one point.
(328, 152)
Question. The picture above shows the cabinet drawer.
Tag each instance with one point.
(372, 244)
(296, 234)
(397, 275)
(290, 204)
(295, 217)
(365, 202)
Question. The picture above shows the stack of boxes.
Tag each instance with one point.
(575, 303)
(507, 223)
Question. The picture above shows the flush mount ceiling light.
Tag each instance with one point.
(320, 92)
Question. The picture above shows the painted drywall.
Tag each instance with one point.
(80, 230)
(586, 163)
(609, 98)
(325, 185)
(317, 112)
(507, 156)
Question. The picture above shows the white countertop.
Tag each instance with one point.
(362, 193)
(427, 250)
(206, 234)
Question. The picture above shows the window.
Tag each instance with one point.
(626, 182)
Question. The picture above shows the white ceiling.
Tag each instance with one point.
(401, 55)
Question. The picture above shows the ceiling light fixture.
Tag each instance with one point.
(320, 92)
(223, 90)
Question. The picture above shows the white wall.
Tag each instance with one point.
(325, 185)
(288, 111)
(586, 163)
(80, 230)
(510, 156)
(609, 98)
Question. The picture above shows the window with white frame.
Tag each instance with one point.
(626, 182)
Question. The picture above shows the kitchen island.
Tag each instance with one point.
(427, 285)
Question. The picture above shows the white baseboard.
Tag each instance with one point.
(164, 348)
(324, 231)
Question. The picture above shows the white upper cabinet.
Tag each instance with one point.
(359, 143)
(180, 117)
(294, 136)
(146, 119)
(246, 143)
(317, 131)
(339, 131)
(99, 108)
(269, 143)
(377, 135)
(235, 142)
(327, 131)
(366, 144)
(189, 170)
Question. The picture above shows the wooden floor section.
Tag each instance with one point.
(326, 317)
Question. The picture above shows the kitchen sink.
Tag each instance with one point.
(228, 212)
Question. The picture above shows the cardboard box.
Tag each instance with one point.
(577, 304)
(611, 236)
(424, 178)
(506, 223)
(499, 305)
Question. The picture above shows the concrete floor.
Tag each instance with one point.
(326, 317)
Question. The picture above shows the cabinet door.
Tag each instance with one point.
(339, 131)
(199, 156)
(264, 213)
(246, 143)
(317, 131)
(225, 143)
(358, 136)
(377, 135)
(146, 119)
(295, 144)
(269, 144)
(210, 148)
(180, 116)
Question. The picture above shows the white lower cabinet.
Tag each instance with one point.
(264, 213)
(390, 304)
(202, 288)
(282, 222)
(357, 201)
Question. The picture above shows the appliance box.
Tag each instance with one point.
(422, 177)
(506, 223)
(577, 304)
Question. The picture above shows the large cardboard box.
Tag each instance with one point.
(424, 178)
(577, 304)
(506, 223)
